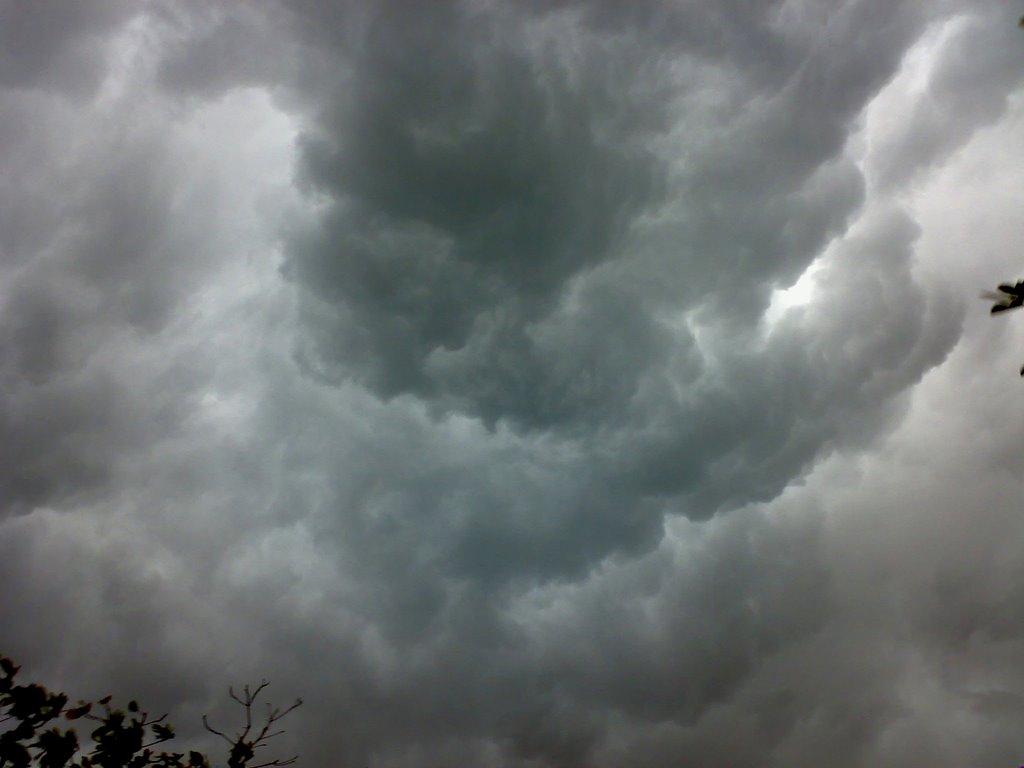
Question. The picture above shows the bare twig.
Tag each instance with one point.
(242, 747)
(213, 730)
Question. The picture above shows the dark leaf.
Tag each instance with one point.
(15, 754)
(77, 712)
(57, 748)
(163, 732)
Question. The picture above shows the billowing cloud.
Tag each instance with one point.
(533, 384)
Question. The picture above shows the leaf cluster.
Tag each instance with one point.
(34, 731)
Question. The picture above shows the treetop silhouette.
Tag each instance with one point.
(33, 736)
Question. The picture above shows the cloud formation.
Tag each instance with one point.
(526, 384)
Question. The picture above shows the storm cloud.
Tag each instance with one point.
(521, 384)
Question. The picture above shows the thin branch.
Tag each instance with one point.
(272, 718)
(214, 731)
(289, 761)
(247, 698)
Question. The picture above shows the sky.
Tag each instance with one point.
(531, 384)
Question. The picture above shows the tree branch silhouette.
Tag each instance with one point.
(32, 738)
(242, 747)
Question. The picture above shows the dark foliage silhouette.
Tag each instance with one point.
(33, 732)
(1008, 296)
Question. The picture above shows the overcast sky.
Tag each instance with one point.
(522, 383)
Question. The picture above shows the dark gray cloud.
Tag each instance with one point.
(441, 363)
(472, 179)
(57, 45)
(512, 232)
(209, 49)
